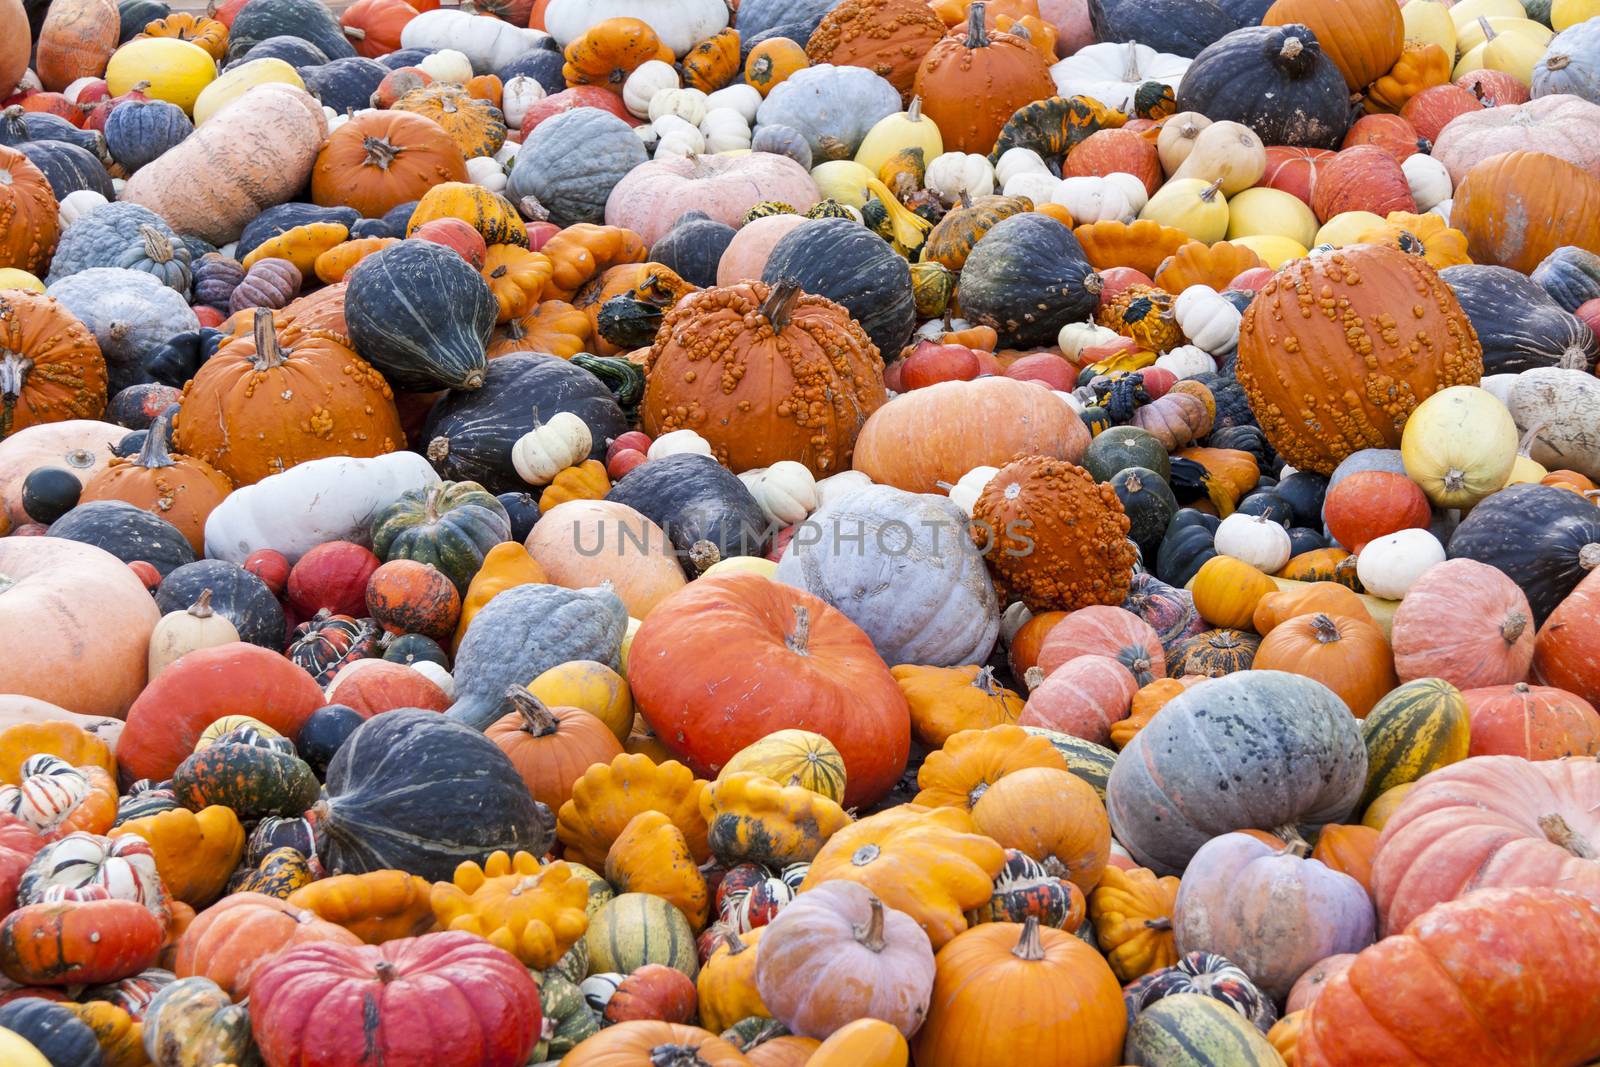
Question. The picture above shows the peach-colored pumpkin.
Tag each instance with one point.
(1082, 698)
(1465, 622)
(582, 543)
(228, 940)
(652, 196)
(746, 255)
(1567, 127)
(1536, 722)
(76, 40)
(1102, 630)
(372, 686)
(14, 40)
(77, 623)
(82, 446)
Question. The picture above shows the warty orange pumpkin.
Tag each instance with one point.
(29, 220)
(181, 489)
(51, 369)
(973, 80)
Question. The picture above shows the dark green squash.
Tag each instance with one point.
(419, 313)
(448, 525)
(236, 594)
(1543, 538)
(418, 792)
(563, 1005)
(1571, 275)
(542, 66)
(707, 511)
(1233, 408)
(693, 247)
(1305, 539)
(323, 732)
(622, 376)
(1304, 491)
(345, 84)
(1194, 1030)
(253, 780)
(274, 832)
(1051, 127)
(68, 168)
(1024, 888)
(1148, 502)
(1208, 975)
(1121, 447)
(1086, 760)
(415, 648)
(1519, 324)
(127, 532)
(139, 131)
(628, 322)
(1027, 277)
(295, 51)
(49, 493)
(523, 632)
(145, 797)
(1185, 547)
(523, 508)
(1274, 79)
(469, 434)
(18, 126)
(308, 20)
(1244, 438)
(1181, 27)
(135, 15)
(1268, 504)
(841, 260)
(59, 1035)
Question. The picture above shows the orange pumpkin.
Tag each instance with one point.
(373, 27)
(332, 266)
(381, 159)
(1331, 598)
(516, 277)
(551, 747)
(1348, 850)
(610, 50)
(1362, 37)
(583, 251)
(1348, 655)
(76, 40)
(181, 489)
(972, 81)
(29, 219)
(1053, 816)
(712, 63)
(207, 33)
(771, 62)
(888, 37)
(228, 940)
(553, 327)
(1518, 207)
(51, 369)
(1197, 263)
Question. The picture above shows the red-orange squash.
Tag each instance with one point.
(1465, 622)
(1536, 722)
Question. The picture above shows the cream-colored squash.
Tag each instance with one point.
(1346, 228)
(1466, 12)
(1515, 50)
(843, 180)
(1429, 22)
(1565, 13)
(1525, 470)
(177, 71)
(240, 80)
(1229, 151)
(1274, 250)
(904, 129)
(17, 278)
(1196, 207)
(742, 565)
(181, 632)
(1560, 409)
(1177, 137)
(1271, 211)
(1480, 29)
(1459, 446)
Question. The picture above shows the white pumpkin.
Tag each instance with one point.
(677, 443)
(1459, 445)
(745, 99)
(681, 24)
(447, 65)
(964, 494)
(647, 133)
(786, 491)
(1429, 180)
(1132, 187)
(486, 171)
(678, 143)
(1562, 408)
(181, 632)
(521, 93)
(1040, 187)
(835, 486)
(1501, 386)
(1388, 566)
(506, 156)
(1092, 199)
(1112, 72)
(1074, 337)
(934, 329)
(669, 125)
(77, 204)
(551, 447)
(687, 104)
(648, 79)
(954, 173)
(1206, 319)
(1257, 540)
(1443, 209)
(1187, 361)
(489, 43)
(1068, 399)
(437, 675)
(1013, 619)
(725, 130)
(1017, 161)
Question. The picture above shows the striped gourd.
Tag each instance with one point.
(1417, 728)
(794, 757)
(1087, 760)
(1191, 1030)
(634, 929)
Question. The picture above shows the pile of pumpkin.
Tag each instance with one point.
(843, 533)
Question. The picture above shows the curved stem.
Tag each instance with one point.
(779, 303)
(1560, 832)
(1514, 626)
(157, 245)
(153, 453)
(870, 934)
(1029, 947)
(201, 608)
(1324, 629)
(801, 635)
(537, 718)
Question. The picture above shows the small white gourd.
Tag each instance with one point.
(953, 173)
(678, 143)
(78, 203)
(507, 154)
(1428, 178)
(1018, 161)
(964, 494)
(745, 99)
(786, 491)
(687, 104)
(1068, 399)
(725, 130)
(1257, 540)
(648, 79)
(1092, 199)
(678, 443)
(1187, 361)
(181, 632)
(1013, 619)
(447, 65)
(1132, 187)
(517, 96)
(1210, 322)
(436, 674)
(835, 486)
(1074, 337)
(1388, 566)
(647, 133)
(487, 172)
(551, 447)
(1038, 186)
(670, 125)
(1443, 209)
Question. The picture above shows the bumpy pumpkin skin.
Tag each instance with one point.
(1336, 351)
(51, 367)
(28, 216)
(889, 39)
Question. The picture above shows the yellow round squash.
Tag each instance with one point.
(240, 80)
(592, 686)
(17, 278)
(1466, 13)
(18, 1051)
(793, 757)
(843, 180)
(1274, 251)
(1264, 211)
(1459, 445)
(1429, 22)
(1346, 228)
(904, 129)
(1565, 13)
(178, 71)
(1196, 207)
(742, 565)
(1525, 470)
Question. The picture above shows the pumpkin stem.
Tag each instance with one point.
(798, 640)
(1029, 947)
(537, 421)
(355, 33)
(1210, 192)
(985, 681)
(14, 368)
(537, 718)
(1292, 47)
(380, 153)
(977, 36)
(268, 354)
(1559, 832)
(779, 303)
(735, 946)
(1163, 923)
(201, 608)
(1589, 556)
(1033, 678)
(1130, 72)
(157, 246)
(438, 449)
(533, 211)
(1326, 631)
(1513, 627)
(869, 935)
(1488, 30)
(385, 971)
(914, 112)
(1293, 843)
(1093, 284)
(704, 555)
(153, 453)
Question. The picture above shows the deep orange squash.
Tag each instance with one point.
(380, 159)
(51, 369)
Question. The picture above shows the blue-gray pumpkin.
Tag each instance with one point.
(572, 161)
(137, 131)
(831, 107)
(1571, 63)
(123, 235)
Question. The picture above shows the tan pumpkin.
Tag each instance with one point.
(640, 561)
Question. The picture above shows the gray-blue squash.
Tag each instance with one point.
(708, 513)
(831, 107)
(130, 314)
(137, 131)
(855, 268)
(123, 235)
(1571, 63)
(572, 161)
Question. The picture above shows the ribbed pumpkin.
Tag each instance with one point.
(1369, 371)
(947, 700)
(228, 940)
(1102, 630)
(1053, 817)
(280, 397)
(1132, 914)
(1418, 728)
(51, 369)
(1346, 654)
(1536, 722)
(1465, 622)
(382, 159)
(1362, 37)
(551, 747)
(1518, 207)
(972, 81)
(477, 127)
(28, 216)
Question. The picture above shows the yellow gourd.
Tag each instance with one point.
(178, 71)
(1565, 13)
(240, 80)
(506, 565)
(904, 129)
(1525, 470)
(1266, 211)
(1484, 27)
(17, 278)
(844, 180)
(1196, 207)
(1514, 50)
(1467, 12)
(738, 565)
(1346, 228)
(1459, 445)
(1274, 251)
(592, 686)
(627, 642)
(1429, 22)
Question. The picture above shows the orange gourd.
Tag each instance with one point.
(888, 37)
(228, 940)
(551, 747)
(1347, 654)
(184, 490)
(1328, 597)
(51, 369)
(610, 50)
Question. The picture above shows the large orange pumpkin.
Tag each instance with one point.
(381, 159)
(1362, 37)
(15, 42)
(283, 396)
(972, 81)
(729, 660)
(181, 489)
(1337, 350)
(764, 374)
(888, 37)
(76, 40)
(51, 369)
(1518, 207)
(29, 220)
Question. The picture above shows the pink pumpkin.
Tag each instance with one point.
(1105, 631)
(373, 686)
(725, 187)
(1083, 698)
(746, 255)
